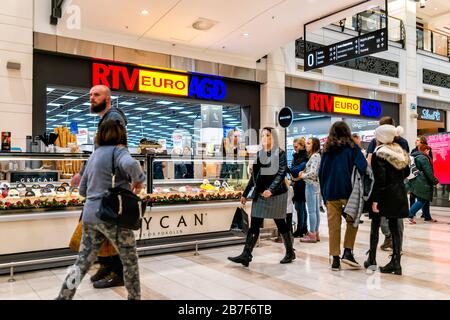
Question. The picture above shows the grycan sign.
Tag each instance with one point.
(326, 103)
(153, 81)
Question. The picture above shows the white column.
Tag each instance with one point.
(273, 92)
(407, 116)
(16, 45)
(447, 126)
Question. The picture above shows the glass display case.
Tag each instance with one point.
(190, 179)
(33, 182)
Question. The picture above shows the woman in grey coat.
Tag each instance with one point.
(111, 139)
(269, 196)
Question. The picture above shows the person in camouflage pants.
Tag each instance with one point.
(93, 236)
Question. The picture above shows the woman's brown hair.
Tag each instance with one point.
(315, 145)
(423, 140)
(111, 133)
(340, 135)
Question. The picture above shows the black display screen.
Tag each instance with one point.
(356, 47)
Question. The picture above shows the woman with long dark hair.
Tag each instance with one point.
(340, 156)
(311, 177)
(269, 198)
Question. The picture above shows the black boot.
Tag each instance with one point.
(297, 233)
(290, 254)
(394, 265)
(102, 272)
(374, 236)
(246, 256)
(371, 260)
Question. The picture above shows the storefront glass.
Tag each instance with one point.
(173, 123)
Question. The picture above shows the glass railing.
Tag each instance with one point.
(433, 41)
(369, 21)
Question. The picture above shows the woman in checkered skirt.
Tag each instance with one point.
(269, 196)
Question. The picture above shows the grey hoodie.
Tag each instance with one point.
(97, 177)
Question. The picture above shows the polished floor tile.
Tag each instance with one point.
(210, 275)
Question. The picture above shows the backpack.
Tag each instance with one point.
(413, 168)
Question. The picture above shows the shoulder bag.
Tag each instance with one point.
(120, 206)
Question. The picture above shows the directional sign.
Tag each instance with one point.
(363, 45)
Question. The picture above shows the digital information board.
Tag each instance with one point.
(356, 47)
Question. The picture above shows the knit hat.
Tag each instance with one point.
(386, 133)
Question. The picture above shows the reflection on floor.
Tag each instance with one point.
(426, 272)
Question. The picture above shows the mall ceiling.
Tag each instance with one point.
(249, 28)
(148, 117)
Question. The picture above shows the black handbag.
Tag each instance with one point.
(240, 220)
(120, 206)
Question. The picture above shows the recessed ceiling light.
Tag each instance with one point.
(186, 112)
(154, 113)
(135, 118)
(62, 115)
(53, 104)
(203, 24)
(435, 8)
(127, 103)
(50, 89)
(78, 119)
(246, 34)
(69, 97)
(164, 117)
(144, 12)
(176, 108)
(87, 104)
(172, 120)
(141, 109)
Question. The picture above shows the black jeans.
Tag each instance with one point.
(257, 223)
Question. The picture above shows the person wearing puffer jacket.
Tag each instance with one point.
(422, 186)
(390, 164)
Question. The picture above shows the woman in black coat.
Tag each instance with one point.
(269, 197)
(390, 164)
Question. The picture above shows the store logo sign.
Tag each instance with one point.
(430, 114)
(151, 81)
(326, 103)
(161, 82)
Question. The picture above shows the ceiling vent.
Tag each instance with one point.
(203, 24)
(431, 91)
(389, 84)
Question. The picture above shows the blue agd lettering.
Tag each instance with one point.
(370, 108)
(207, 88)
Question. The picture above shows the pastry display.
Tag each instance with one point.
(206, 186)
(47, 192)
(74, 192)
(65, 185)
(13, 193)
(61, 191)
(30, 194)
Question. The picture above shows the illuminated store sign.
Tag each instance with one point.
(152, 81)
(326, 103)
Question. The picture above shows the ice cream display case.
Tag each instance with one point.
(39, 209)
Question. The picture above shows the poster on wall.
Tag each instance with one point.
(440, 144)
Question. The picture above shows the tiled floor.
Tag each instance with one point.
(426, 268)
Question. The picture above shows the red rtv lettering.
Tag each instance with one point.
(321, 102)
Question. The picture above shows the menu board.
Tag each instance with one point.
(440, 145)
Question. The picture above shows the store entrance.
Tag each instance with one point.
(308, 125)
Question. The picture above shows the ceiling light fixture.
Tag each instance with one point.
(246, 34)
(144, 12)
(203, 24)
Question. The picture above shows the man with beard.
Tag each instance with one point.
(110, 273)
